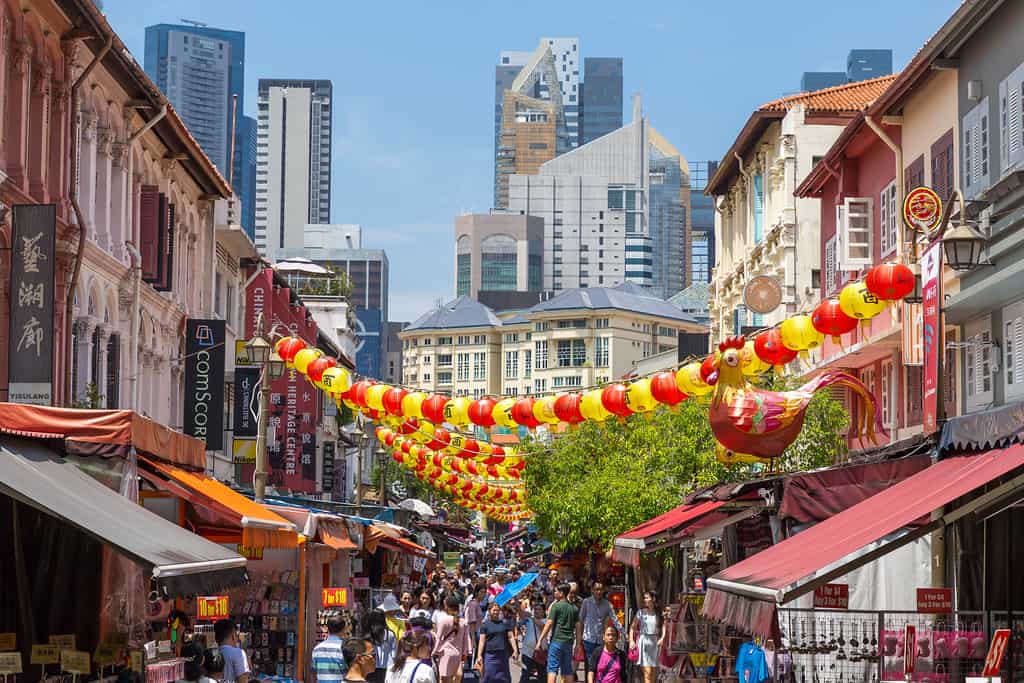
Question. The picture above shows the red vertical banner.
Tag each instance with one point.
(931, 290)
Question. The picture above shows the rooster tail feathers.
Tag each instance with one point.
(869, 420)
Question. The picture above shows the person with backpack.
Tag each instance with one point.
(384, 643)
(608, 664)
(454, 642)
(412, 660)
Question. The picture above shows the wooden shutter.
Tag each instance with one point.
(857, 233)
(915, 394)
(166, 282)
(1010, 104)
(913, 176)
(149, 228)
(942, 166)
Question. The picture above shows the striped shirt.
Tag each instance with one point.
(328, 661)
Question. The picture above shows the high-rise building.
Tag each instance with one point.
(861, 65)
(293, 162)
(498, 253)
(566, 55)
(702, 222)
(200, 70)
(600, 97)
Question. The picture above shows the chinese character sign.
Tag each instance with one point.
(30, 369)
(931, 285)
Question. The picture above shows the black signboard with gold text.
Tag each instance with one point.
(30, 356)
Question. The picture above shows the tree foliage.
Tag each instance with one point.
(600, 480)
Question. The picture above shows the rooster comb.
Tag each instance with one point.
(732, 343)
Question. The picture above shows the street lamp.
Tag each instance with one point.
(360, 438)
(963, 247)
(382, 458)
(261, 354)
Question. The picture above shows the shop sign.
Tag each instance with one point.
(931, 268)
(241, 355)
(45, 654)
(8, 642)
(327, 468)
(247, 386)
(935, 600)
(419, 564)
(452, 560)
(75, 662)
(832, 596)
(361, 582)
(909, 651)
(64, 642)
(335, 597)
(250, 552)
(10, 663)
(996, 652)
(922, 209)
(204, 382)
(30, 360)
(210, 608)
(243, 451)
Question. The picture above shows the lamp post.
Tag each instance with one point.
(359, 435)
(382, 458)
(261, 354)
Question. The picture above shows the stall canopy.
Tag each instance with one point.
(331, 530)
(380, 535)
(260, 526)
(658, 532)
(747, 593)
(108, 433)
(184, 563)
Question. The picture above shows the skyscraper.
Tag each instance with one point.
(600, 97)
(702, 222)
(293, 161)
(200, 69)
(861, 64)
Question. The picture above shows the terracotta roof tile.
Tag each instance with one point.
(846, 97)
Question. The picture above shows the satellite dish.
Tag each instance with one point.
(763, 294)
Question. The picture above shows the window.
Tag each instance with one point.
(442, 378)
(511, 338)
(1013, 345)
(758, 208)
(855, 232)
(527, 363)
(975, 149)
(915, 395)
(889, 219)
(480, 366)
(1011, 119)
(462, 340)
(601, 345)
(444, 341)
(444, 360)
(564, 382)
(579, 352)
(540, 386)
(647, 349)
(830, 265)
(511, 364)
(575, 323)
(616, 198)
(601, 323)
(978, 363)
(427, 360)
(942, 166)
(540, 327)
(540, 355)
(480, 339)
(427, 341)
(462, 367)
(511, 390)
(564, 352)
(888, 394)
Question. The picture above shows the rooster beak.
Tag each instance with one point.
(713, 378)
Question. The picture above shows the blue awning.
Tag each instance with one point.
(985, 430)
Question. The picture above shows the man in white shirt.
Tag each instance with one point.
(595, 612)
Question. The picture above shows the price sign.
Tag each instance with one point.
(909, 651)
(935, 600)
(996, 652)
(163, 647)
(832, 596)
(75, 662)
(64, 642)
(135, 658)
(10, 663)
(211, 608)
(250, 552)
(335, 597)
(45, 654)
(8, 642)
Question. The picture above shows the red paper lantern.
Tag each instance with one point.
(890, 281)
(392, 401)
(665, 390)
(828, 318)
(469, 449)
(480, 412)
(408, 427)
(358, 392)
(406, 445)
(497, 451)
(390, 437)
(613, 398)
(769, 347)
(315, 370)
(567, 409)
(440, 439)
(288, 347)
(433, 408)
(522, 413)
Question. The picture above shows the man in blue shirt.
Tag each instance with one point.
(328, 660)
(236, 663)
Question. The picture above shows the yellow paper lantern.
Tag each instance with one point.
(375, 395)
(455, 444)
(485, 448)
(336, 381)
(412, 404)
(592, 408)
(690, 382)
(502, 413)
(857, 302)
(456, 411)
(544, 410)
(798, 334)
(639, 398)
(304, 357)
(425, 432)
(750, 364)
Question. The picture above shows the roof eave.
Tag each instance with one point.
(752, 130)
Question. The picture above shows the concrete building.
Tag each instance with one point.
(760, 227)
(201, 69)
(861, 65)
(578, 338)
(498, 253)
(293, 164)
(614, 210)
(600, 97)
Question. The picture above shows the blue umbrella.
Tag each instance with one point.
(515, 588)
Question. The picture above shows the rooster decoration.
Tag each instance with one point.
(753, 425)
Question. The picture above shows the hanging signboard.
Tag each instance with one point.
(935, 600)
(335, 597)
(996, 652)
(211, 608)
(247, 386)
(64, 642)
(10, 663)
(922, 209)
(327, 468)
(44, 654)
(30, 359)
(75, 662)
(832, 596)
(931, 269)
(204, 382)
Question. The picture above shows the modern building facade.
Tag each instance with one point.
(201, 70)
(601, 97)
(861, 65)
(702, 222)
(498, 253)
(578, 338)
(293, 162)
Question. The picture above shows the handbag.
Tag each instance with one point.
(634, 654)
(540, 654)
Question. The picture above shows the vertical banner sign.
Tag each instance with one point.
(909, 651)
(327, 474)
(204, 382)
(30, 356)
(247, 385)
(931, 286)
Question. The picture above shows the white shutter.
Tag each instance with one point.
(979, 367)
(857, 234)
(1018, 350)
(1013, 123)
(976, 151)
(830, 264)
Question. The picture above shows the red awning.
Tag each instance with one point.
(647, 536)
(746, 594)
(108, 433)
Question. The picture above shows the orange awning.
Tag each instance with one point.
(335, 534)
(376, 535)
(260, 527)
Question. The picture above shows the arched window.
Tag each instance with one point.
(113, 371)
(498, 263)
(463, 261)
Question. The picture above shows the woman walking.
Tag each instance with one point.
(384, 643)
(497, 644)
(646, 633)
(412, 660)
(607, 664)
(454, 643)
(425, 608)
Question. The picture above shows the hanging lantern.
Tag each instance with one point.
(829, 318)
(639, 397)
(857, 302)
(287, 347)
(456, 411)
(470, 448)
(690, 382)
(315, 370)
(440, 439)
(750, 364)
(592, 408)
(412, 403)
(304, 357)
(357, 395)
(502, 413)
(336, 381)
(522, 413)
(567, 408)
(375, 396)
(485, 448)
(544, 410)
(433, 408)
(613, 398)
(769, 347)
(423, 431)
(665, 390)
(798, 334)
(890, 281)
(392, 400)
(480, 412)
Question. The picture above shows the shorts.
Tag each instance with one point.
(560, 658)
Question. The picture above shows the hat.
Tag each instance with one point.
(389, 604)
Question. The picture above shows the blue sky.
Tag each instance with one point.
(414, 86)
